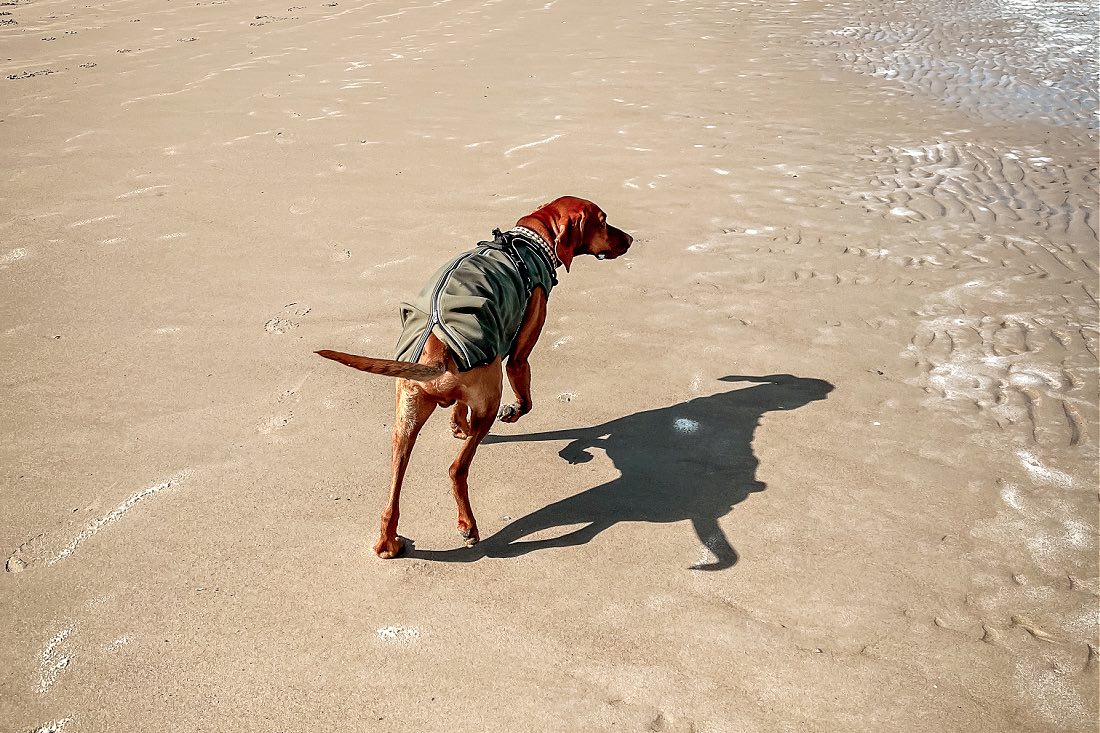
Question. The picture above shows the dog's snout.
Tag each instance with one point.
(624, 239)
(627, 241)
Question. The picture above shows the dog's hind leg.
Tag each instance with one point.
(413, 409)
(483, 412)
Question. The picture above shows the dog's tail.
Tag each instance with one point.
(386, 367)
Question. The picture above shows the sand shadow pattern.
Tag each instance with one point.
(690, 461)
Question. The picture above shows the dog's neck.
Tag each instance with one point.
(539, 240)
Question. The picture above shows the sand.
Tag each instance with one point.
(894, 206)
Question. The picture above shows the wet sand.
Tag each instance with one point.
(818, 454)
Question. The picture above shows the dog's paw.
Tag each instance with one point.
(513, 412)
(470, 535)
(460, 422)
(389, 548)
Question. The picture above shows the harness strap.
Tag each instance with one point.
(506, 244)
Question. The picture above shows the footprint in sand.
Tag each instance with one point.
(285, 322)
(25, 555)
(287, 398)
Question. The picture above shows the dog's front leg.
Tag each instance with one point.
(519, 368)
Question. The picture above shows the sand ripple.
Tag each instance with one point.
(973, 182)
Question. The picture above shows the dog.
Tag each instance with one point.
(482, 307)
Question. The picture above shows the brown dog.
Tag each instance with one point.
(485, 305)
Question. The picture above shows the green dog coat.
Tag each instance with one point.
(475, 303)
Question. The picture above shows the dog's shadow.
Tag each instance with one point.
(691, 461)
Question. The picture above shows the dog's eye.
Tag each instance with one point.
(601, 256)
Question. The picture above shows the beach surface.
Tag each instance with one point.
(818, 454)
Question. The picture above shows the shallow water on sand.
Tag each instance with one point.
(1004, 59)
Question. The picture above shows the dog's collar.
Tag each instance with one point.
(534, 238)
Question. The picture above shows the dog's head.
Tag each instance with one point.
(579, 227)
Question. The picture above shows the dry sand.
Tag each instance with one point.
(895, 206)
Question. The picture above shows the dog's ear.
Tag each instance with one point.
(569, 234)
